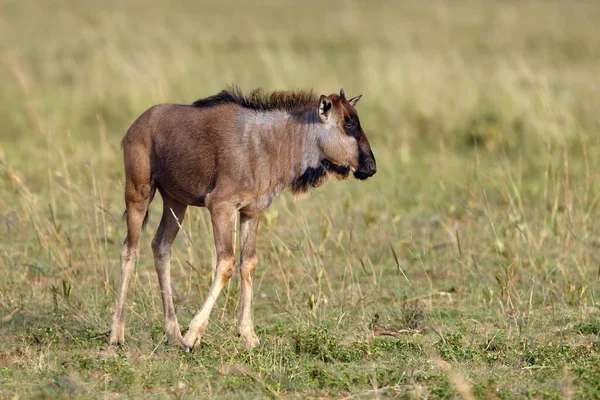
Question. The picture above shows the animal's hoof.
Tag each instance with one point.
(185, 349)
(117, 341)
(117, 337)
(190, 340)
(251, 341)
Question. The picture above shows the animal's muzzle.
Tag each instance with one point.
(366, 165)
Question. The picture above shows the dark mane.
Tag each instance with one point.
(258, 99)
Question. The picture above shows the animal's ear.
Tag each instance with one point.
(354, 100)
(324, 108)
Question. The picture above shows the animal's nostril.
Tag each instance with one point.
(370, 165)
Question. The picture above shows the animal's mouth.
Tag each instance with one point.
(361, 175)
(340, 171)
(366, 169)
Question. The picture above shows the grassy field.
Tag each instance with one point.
(467, 267)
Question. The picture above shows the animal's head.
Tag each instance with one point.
(344, 145)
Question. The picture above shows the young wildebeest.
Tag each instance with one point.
(230, 153)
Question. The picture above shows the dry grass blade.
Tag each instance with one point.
(458, 244)
(398, 265)
(18, 181)
(398, 333)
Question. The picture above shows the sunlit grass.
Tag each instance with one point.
(474, 245)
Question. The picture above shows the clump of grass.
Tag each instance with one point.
(413, 315)
(453, 347)
(43, 336)
(318, 343)
(89, 338)
(554, 354)
(588, 328)
(588, 377)
(121, 374)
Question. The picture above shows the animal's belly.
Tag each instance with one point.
(189, 189)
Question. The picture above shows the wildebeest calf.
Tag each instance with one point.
(230, 153)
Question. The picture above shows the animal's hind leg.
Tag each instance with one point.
(161, 247)
(138, 195)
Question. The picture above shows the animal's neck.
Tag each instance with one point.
(309, 171)
(293, 143)
(307, 129)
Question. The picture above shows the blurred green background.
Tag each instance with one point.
(478, 232)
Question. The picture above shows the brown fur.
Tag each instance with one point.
(230, 153)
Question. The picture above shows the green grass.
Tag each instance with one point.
(468, 264)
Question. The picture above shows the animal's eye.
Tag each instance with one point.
(349, 125)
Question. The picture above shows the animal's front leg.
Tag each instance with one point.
(248, 231)
(222, 221)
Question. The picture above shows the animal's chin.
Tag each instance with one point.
(340, 171)
(361, 175)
